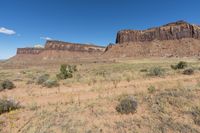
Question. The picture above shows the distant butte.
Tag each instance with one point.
(172, 31)
(64, 46)
(177, 39)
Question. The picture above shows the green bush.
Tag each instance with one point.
(66, 71)
(180, 65)
(6, 84)
(156, 71)
(41, 79)
(50, 83)
(7, 105)
(127, 105)
(188, 71)
(151, 89)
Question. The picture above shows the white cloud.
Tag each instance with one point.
(7, 31)
(38, 46)
(46, 38)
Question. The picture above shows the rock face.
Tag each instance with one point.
(29, 51)
(64, 46)
(177, 39)
(58, 45)
(171, 31)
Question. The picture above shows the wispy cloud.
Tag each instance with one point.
(46, 38)
(6, 31)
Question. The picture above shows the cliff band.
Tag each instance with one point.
(177, 39)
(171, 31)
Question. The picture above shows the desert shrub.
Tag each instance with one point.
(127, 105)
(143, 70)
(188, 71)
(6, 84)
(156, 71)
(50, 83)
(66, 71)
(7, 105)
(41, 79)
(180, 65)
(151, 89)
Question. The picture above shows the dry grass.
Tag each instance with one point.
(87, 102)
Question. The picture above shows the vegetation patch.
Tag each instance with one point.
(41, 79)
(127, 105)
(143, 70)
(151, 89)
(6, 84)
(7, 105)
(51, 83)
(180, 65)
(66, 71)
(156, 71)
(188, 71)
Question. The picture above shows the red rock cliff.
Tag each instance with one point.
(59, 45)
(64, 46)
(29, 50)
(171, 31)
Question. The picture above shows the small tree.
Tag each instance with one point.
(66, 71)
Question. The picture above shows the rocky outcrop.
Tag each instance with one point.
(64, 46)
(59, 45)
(32, 51)
(171, 31)
(177, 39)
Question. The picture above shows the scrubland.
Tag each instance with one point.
(168, 98)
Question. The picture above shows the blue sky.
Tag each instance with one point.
(24, 23)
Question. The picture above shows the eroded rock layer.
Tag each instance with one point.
(29, 50)
(64, 46)
(177, 39)
(58, 45)
(171, 31)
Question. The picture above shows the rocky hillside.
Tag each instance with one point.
(178, 39)
(171, 31)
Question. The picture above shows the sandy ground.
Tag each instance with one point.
(84, 107)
